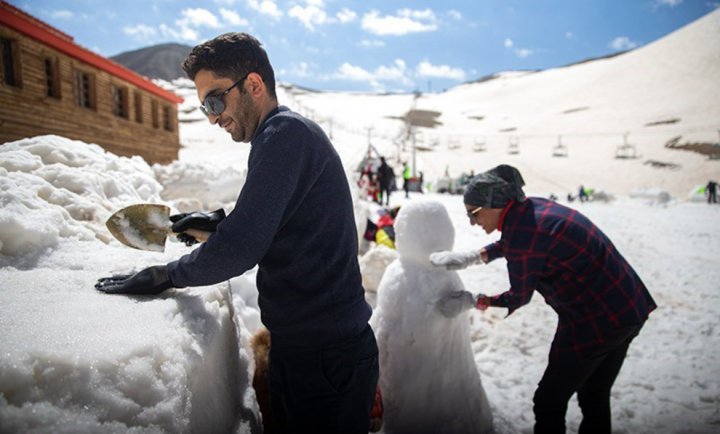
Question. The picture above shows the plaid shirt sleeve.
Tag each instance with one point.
(526, 254)
(494, 250)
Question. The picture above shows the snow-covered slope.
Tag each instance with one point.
(644, 98)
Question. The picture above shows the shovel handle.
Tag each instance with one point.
(199, 235)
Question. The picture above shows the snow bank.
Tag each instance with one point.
(53, 188)
(76, 360)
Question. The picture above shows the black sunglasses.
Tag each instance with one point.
(215, 104)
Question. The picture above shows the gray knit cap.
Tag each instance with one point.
(495, 188)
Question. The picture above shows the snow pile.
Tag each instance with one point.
(428, 376)
(194, 186)
(76, 360)
(53, 188)
(373, 264)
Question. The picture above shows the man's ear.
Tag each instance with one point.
(256, 85)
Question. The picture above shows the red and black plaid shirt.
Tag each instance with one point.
(560, 253)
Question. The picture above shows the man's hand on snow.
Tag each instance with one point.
(150, 281)
(455, 303)
(456, 260)
(196, 226)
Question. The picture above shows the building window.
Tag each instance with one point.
(52, 77)
(85, 89)
(10, 62)
(120, 101)
(167, 120)
(155, 115)
(137, 96)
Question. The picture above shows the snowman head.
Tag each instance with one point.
(423, 227)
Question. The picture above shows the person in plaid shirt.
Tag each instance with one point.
(601, 302)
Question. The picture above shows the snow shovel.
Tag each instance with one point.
(143, 226)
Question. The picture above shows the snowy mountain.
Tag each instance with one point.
(644, 99)
(163, 61)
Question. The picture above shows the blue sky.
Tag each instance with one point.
(381, 45)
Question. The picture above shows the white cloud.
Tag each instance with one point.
(198, 17)
(351, 72)
(404, 22)
(671, 3)
(396, 72)
(266, 7)
(140, 31)
(61, 15)
(622, 43)
(454, 14)
(371, 43)
(232, 17)
(346, 15)
(311, 15)
(427, 69)
(519, 52)
(184, 33)
(302, 70)
(569, 35)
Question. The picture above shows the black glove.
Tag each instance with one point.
(149, 281)
(204, 221)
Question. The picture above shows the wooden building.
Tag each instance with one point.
(51, 85)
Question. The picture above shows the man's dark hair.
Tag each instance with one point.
(231, 55)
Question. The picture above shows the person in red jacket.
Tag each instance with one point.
(600, 300)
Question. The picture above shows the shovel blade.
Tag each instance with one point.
(142, 226)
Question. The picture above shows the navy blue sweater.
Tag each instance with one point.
(294, 218)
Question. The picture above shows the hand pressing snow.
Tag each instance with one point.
(455, 303)
(456, 260)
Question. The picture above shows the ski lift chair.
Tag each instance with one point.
(479, 146)
(513, 145)
(626, 150)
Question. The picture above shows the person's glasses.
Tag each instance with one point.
(215, 104)
(471, 213)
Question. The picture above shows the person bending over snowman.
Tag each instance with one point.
(428, 376)
(601, 302)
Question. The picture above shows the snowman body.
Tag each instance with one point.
(428, 376)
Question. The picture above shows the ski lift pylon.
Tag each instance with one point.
(560, 150)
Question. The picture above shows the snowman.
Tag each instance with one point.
(428, 376)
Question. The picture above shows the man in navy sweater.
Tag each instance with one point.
(601, 302)
(294, 219)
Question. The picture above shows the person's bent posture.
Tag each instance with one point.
(601, 302)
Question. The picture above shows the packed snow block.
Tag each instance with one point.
(82, 361)
(373, 264)
(428, 376)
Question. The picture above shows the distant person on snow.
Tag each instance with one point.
(582, 194)
(406, 179)
(711, 191)
(601, 302)
(386, 176)
(323, 366)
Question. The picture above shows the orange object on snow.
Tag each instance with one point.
(376, 413)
